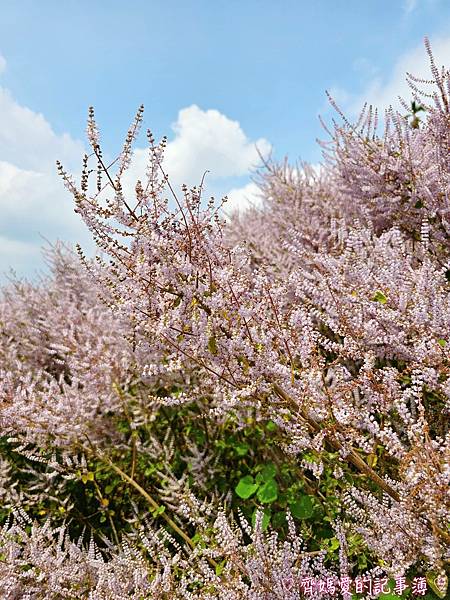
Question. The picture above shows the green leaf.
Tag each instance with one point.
(219, 568)
(212, 345)
(89, 476)
(302, 508)
(362, 562)
(442, 343)
(379, 297)
(279, 520)
(268, 492)
(158, 511)
(241, 448)
(271, 426)
(268, 472)
(246, 487)
(323, 532)
(334, 544)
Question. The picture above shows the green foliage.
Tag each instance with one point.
(247, 460)
(246, 487)
(212, 345)
(303, 508)
(379, 297)
(267, 491)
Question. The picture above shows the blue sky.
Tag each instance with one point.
(216, 76)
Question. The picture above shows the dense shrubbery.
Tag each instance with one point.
(227, 410)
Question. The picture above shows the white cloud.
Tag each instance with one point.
(364, 68)
(409, 6)
(241, 198)
(16, 254)
(208, 139)
(204, 140)
(2, 64)
(33, 201)
(384, 91)
(28, 141)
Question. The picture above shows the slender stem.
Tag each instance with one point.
(113, 184)
(352, 457)
(133, 458)
(154, 505)
(356, 460)
(111, 522)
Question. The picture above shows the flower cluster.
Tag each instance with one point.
(41, 562)
(61, 352)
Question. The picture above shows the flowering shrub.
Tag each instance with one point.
(61, 352)
(290, 365)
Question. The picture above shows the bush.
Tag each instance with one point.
(253, 409)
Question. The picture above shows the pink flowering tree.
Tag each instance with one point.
(326, 313)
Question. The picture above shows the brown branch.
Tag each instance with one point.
(97, 154)
(352, 456)
(154, 505)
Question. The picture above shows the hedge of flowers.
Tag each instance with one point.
(253, 408)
